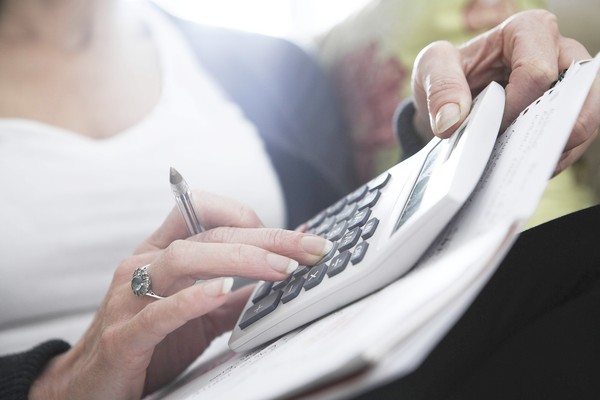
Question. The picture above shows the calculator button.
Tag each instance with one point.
(370, 199)
(260, 309)
(347, 212)
(359, 252)
(326, 226)
(337, 231)
(292, 290)
(316, 220)
(315, 276)
(280, 284)
(357, 194)
(329, 255)
(338, 263)
(335, 208)
(359, 219)
(369, 228)
(379, 181)
(302, 270)
(262, 291)
(349, 239)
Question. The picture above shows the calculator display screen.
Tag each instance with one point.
(418, 190)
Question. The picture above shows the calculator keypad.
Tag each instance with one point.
(345, 223)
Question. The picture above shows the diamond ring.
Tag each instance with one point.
(141, 283)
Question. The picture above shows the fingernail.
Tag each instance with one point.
(315, 245)
(447, 116)
(218, 287)
(281, 263)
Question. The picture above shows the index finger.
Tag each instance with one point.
(212, 209)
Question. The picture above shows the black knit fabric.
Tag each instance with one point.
(410, 141)
(18, 371)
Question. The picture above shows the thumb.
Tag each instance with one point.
(440, 88)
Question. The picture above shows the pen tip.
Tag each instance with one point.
(175, 177)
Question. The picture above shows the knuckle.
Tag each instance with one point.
(247, 216)
(126, 267)
(277, 238)
(108, 337)
(429, 57)
(540, 16)
(442, 87)
(147, 319)
(218, 235)
(547, 18)
(124, 271)
(541, 72)
(113, 302)
(113, 353)
(583, 131)
(433, 49)
(109, 342)
(239, 254)
(172, 252)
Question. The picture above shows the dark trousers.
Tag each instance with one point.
(534, 330)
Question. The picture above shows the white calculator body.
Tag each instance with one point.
(380, 230)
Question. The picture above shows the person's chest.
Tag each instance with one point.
(96, 93)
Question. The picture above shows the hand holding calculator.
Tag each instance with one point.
(379, 231)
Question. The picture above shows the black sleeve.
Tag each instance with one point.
(18, 371)
(408, 138)
(533, 332)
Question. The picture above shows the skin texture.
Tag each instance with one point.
(135, 345)
(86, 66)
(526, 53)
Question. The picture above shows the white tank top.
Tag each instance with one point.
(72, 207)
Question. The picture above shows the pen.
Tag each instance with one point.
(183, 197)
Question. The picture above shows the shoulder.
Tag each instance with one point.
(227, 48)
(285, 93)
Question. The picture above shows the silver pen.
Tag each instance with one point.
(183, 197)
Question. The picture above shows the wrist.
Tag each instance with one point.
(51, 382)
(21, 370)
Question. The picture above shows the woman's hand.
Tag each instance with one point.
(136, 345)
(526, 53)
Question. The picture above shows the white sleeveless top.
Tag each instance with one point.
(72, 207)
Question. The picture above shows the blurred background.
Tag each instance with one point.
(303, 19)
(297, 19)
(367, 47)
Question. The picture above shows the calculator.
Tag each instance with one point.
(379, 231)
